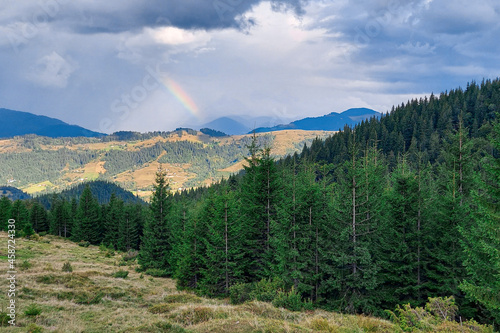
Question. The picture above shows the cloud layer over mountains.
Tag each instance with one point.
(154, 65)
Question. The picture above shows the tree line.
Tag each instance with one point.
(394, 211)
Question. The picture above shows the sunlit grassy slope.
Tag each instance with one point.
(23, 156)
(91, 299)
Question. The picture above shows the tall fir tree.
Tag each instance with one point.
(181, 214)
(88, 225)
(352, 276)
(5, 212)
(399, 265)
(113, 218)
(20, 214)
(38, 217)
(156, 241)
(258, 199)
(296, 229)
(481, 241)
(221, 242)
(128, 228)
(192, 250)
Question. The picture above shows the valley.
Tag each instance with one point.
(40, 165)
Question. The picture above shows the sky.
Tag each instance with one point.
(160, 64)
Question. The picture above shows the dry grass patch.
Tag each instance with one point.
(90, 299)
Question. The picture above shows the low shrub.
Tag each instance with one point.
(291, 300)
(156, 272)
(89, 298)
(34, 237)
(161, 308)
(67, 267)
(33, 310)
(442, 308)
(84, 244)
(43, 233)
(25, 265)
(4, 319)
(121, 274)
(266, 290)
(33, 328)
(240, 293)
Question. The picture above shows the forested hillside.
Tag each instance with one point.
(399, 210)
(46, 165)
(394, 211)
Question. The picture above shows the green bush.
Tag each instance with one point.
(4, 319)
(266, 290)
(67, 267)
(161, 308)
(33, 310)
(84, 244)
(89, 298)
(156, 272)
(240, 293)
(290, 300)
(442, 308)
(121, 274)
(411, 319)
(43, 233)
(34, 328)
(25, 265)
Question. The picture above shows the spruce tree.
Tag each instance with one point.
(20, 213)
(352, 276)
(221, 242)
(297, 229)
(399, 258)
(156, 240)
(192, 250)
(258, 199)
(128, 228)
(481, 241)
(38, 217)
(5, 212)
(113, 217)
(181, 215)
(87, 226)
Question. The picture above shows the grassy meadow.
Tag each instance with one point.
(95, 298)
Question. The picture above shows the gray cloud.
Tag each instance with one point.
(89, 61)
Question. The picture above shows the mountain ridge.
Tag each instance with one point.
(329, 122)
(18, 123)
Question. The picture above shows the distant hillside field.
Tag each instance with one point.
(44, 165)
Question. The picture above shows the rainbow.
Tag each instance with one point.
(182, 96)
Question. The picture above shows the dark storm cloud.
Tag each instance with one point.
(116, 16)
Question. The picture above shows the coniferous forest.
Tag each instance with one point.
(394, 211)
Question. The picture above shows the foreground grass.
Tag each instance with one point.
(90, 299)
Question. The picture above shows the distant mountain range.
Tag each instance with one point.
(330, 122)
(235, 125)
(227, 125)
(17, 123)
